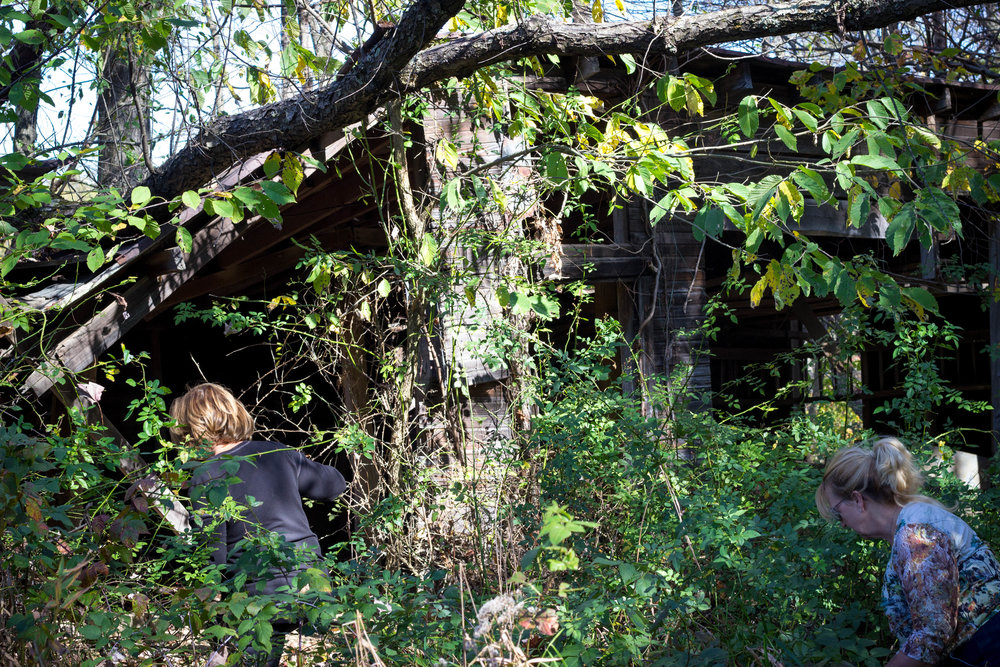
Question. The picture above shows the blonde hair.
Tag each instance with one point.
(885, 472)
(209, 414)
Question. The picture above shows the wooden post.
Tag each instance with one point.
(995, 329)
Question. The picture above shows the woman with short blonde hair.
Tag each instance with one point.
(269, 482)
(209, 414)
(941, 590)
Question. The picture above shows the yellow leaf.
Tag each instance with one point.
(302, 70)
(280, 301)
(795, 200)
(265, 82)
(757, 293)
(957, 180)
(895, 190)
(695, 105)
(620, 5)
(447, 154)
(501, 14)
(597, 11)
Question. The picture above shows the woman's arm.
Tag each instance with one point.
(928, 573)
(318, 481)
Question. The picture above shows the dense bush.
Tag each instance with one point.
(631, 532)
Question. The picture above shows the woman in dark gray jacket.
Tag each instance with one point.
(268, 481)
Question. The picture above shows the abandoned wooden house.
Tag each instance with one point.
(656, 280)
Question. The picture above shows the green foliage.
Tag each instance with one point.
(654, 535)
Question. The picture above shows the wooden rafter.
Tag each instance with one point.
(84, 345)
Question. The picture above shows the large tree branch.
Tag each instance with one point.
(290, 123)
(539, 36)
(396, 66)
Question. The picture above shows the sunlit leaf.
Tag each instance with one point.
(183, 238)
(747, 116)
(95, 259)
(140, 196)
(291, 172)
(191, 199)
(787, 137)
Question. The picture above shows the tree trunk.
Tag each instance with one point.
(123, 122)
(26, 130)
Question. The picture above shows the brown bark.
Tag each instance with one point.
(394, 67)
(122, 122)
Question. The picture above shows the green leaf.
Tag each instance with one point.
(453, 195)
(292, 173)
(703, 85)
(844, 287)
(30, 36)
(384, 288)
(8, 263)
(747, 116)
(844, 171)
(806, 118)
(893, 44)
(95, 259)
(660, 209)
(191, 199)
(813, 183)
(876, 162)
(896, 109)
(272, 165)
(428, 250)
(787, 137)
(761, 201)
(709, 221)
(223, 207)
(14, 161)
(183, 238)
(877, 113)
(555, 167)
(938, 209)
(693, 101)
(920, 299)
(529, 558)
(140, 195)
(841, 145)
(277, 192)
(858, 209)
(628, 61)
(447, 154)
(676, 96)
(897, 235)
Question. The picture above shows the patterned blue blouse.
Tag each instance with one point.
(942, 582)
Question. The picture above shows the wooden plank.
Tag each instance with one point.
(599, 262)
(60, 295)
(82, 347)
(163, 499)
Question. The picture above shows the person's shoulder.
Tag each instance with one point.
(919, 511)
(269, 450)
(262, 447)
(935, 517)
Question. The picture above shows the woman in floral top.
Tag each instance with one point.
(942, 583)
